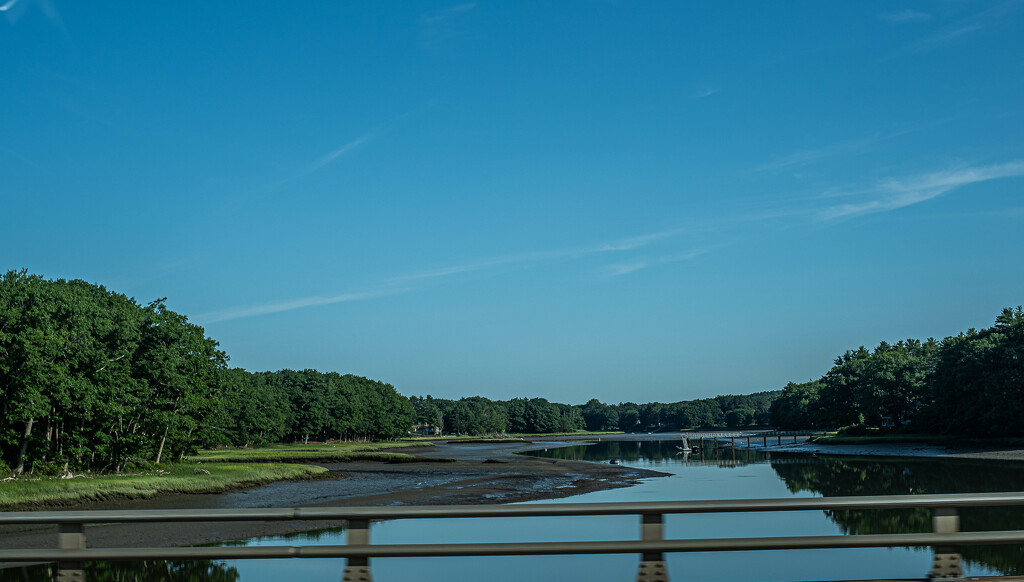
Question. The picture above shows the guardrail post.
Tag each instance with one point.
(70, 536)
(652, 564)
(946, 563)
(358, 569)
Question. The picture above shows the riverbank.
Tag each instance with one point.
(909, 449)
(27, 493)
(471, 474)
(208, 471)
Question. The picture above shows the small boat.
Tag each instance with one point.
(614, 462)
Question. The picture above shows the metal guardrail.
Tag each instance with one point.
(944, 539)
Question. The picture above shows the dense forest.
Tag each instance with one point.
(91, 379)
(971, 384)
(478, 415)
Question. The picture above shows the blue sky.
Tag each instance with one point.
(622, 200)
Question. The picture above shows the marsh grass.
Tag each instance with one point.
(312, 453)
(33, 493)
(509, 437)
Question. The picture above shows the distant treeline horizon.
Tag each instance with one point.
(480, 415)
(91, 379)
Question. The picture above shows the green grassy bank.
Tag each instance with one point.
(208, 471)
(315, 453)
(39, 492)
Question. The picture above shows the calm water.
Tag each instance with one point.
(738, 475)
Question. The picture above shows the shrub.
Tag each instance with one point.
(51, 469)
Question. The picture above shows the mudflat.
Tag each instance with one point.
(480, 473)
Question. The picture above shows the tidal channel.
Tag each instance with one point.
(715, 474)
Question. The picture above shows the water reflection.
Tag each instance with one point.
(708, 473)
(152, 571)
(905, 476)
(845, 476)
(658, 452)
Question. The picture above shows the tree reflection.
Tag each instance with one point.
(654, 451)
(846, 476)
(151, 571)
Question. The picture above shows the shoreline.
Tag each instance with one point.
(481, 473)
(908, 449)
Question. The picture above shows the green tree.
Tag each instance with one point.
(178, 365)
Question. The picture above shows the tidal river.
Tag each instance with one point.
(725, 475)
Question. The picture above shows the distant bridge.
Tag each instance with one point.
(945, 537)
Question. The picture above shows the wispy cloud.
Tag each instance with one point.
(345, 150)
(321, 162)
(884, 196)
(534, 258)
(439, 27)
(841, 148)
(806, 156)
(893, 194)
(446, 14)
(252, 310)
(18, 156)
(965, 26)
(13, 9)
(905, 16)
(635, 242)
(948, 35)
(618, 269)
(522, 259)
(627, 267)
(705, 91)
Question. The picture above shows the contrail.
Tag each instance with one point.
(10, 4)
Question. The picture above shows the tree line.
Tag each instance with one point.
(91, 379)
(971, 384)
(479, 415)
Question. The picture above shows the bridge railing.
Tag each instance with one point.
(945, 538)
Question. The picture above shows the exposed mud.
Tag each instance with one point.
(480, 473)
